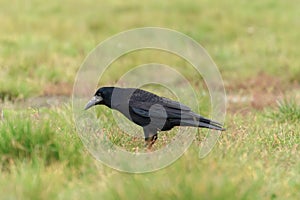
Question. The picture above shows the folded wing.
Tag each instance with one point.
(173, 111)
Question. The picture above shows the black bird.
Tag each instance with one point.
(152, 112)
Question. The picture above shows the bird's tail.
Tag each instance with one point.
(203, 123)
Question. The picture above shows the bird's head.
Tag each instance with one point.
(102, 96)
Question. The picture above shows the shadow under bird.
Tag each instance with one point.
(150, 111)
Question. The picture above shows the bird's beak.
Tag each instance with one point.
(95, 100)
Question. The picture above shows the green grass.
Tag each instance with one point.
(29, 136)
(254, 158)
(45, 43)
(42, 45)
(288, 111)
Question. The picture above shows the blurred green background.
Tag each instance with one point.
(45, 43)
(255, 44)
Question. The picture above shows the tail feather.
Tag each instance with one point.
(194, 116)
(206, 123)
(209, 121)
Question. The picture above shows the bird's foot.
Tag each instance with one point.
(150, 141)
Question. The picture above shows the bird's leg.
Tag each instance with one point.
(150, 141)
(150, 134)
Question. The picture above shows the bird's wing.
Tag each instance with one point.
(170, 110)
(145, 104)
(174, 104)
(146, 109)
(150, 104)
(178, 110)
(148, 97)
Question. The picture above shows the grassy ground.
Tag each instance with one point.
(255, 45)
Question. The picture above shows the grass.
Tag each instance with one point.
(42, 45)
(54, 36)
(288, 111)
(257, 158)
(27, 136)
